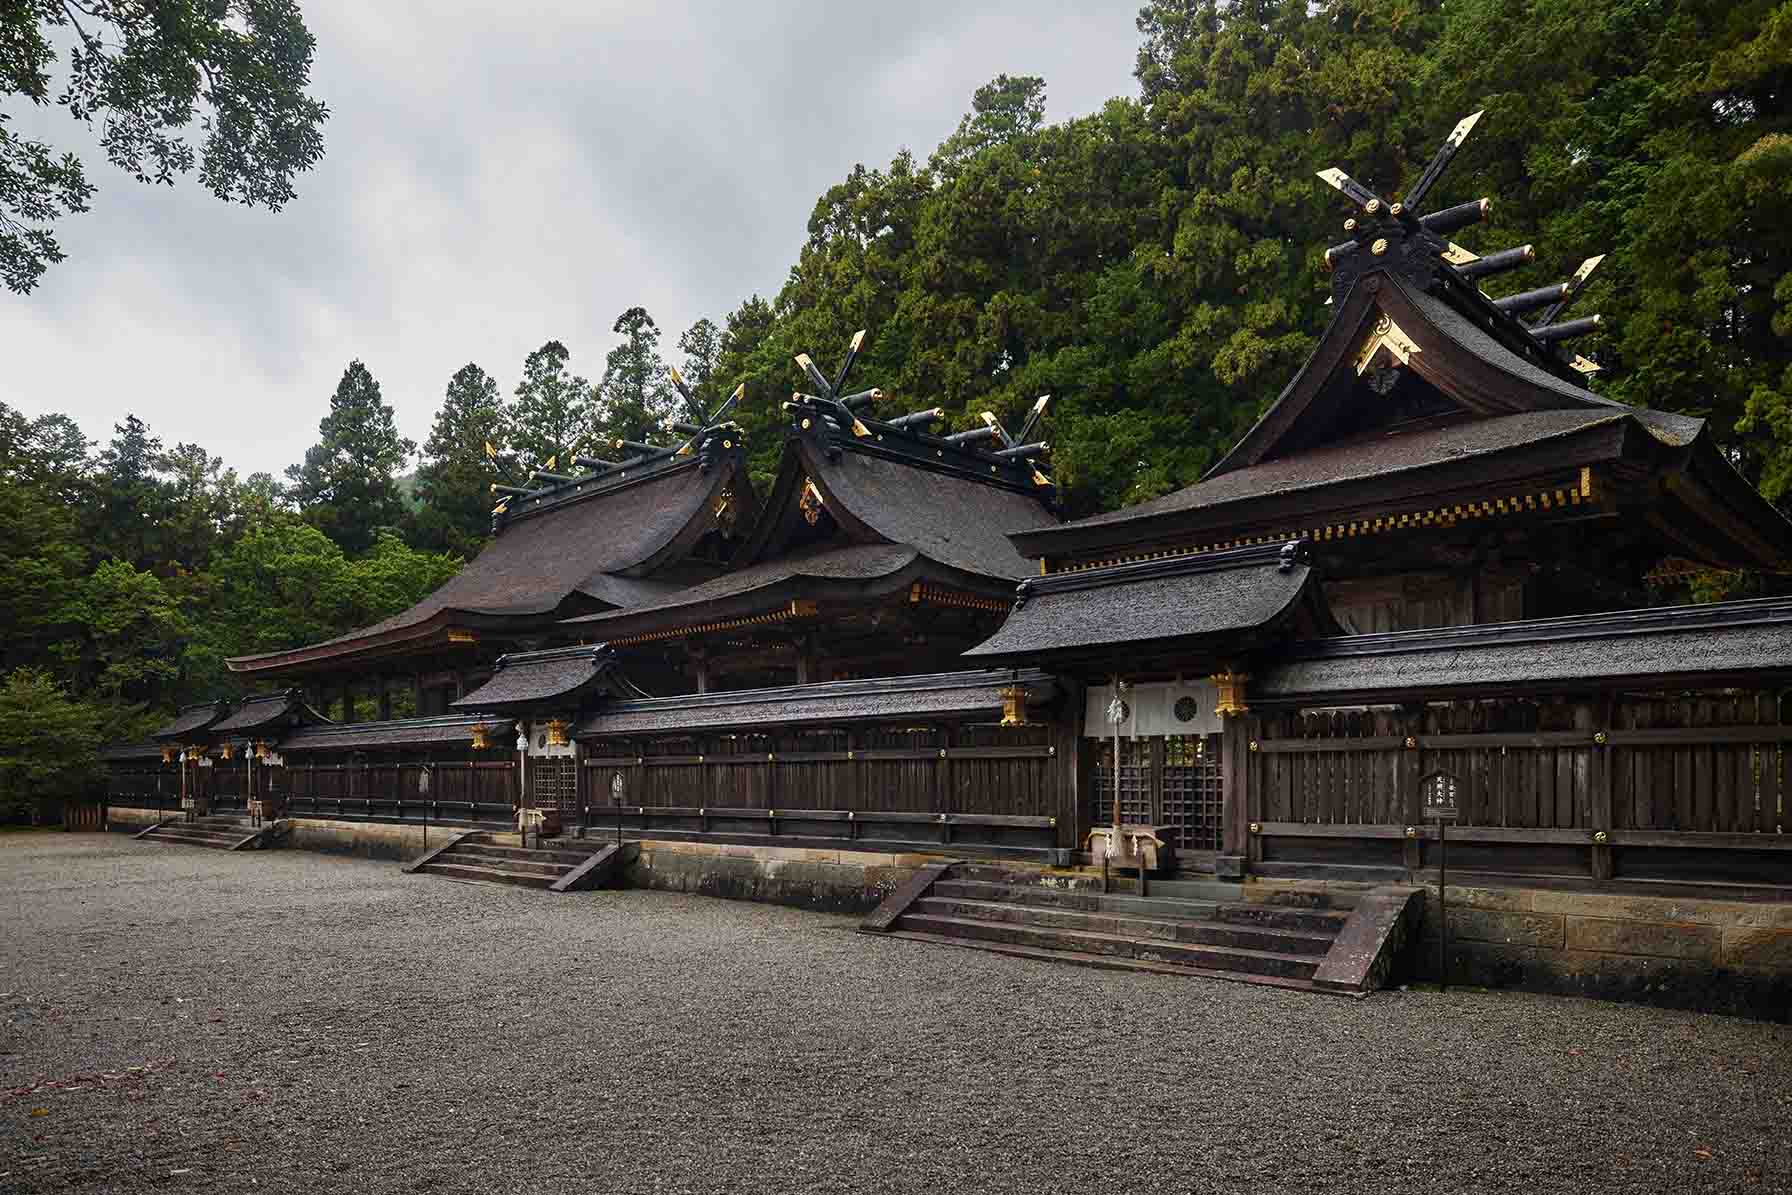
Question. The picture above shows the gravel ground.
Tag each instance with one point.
(181, 1018)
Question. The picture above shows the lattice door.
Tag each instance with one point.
(553, 784)
(1135, 784)
(1191, 791)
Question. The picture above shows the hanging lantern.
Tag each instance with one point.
(1014, 705)
(169, 753)
(482, 735)
(226, 751)
(195, 754)
(261, 750)
(1231, 693)
(557, 729)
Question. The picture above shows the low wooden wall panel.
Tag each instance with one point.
(1683, 787)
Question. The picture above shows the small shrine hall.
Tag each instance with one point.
(1441, 573)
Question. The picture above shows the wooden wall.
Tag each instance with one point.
(1677, 787)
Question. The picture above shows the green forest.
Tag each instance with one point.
(1156, 266)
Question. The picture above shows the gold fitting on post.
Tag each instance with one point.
(1395, 209)
(1373, 206)
(1411, 743)
(1350, 224)
(1256, 827)
(1412, 831)
(1379, 247)
(1253, 746)
(942, 753)
(1599, 738)
(1601, 837)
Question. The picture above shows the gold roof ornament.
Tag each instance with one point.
(811, 503)
(1385, 335)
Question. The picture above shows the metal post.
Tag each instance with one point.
(1443, 913)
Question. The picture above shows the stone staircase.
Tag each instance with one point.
(222, 832)
(1184, 927)
(558, 864)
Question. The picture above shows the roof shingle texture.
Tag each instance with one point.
(961, 523)
(1391, 454)
(541, 560)
(862, 562)
(953, 694)
(1646, 644)
(537, 676)
(407, 732)
(1133, 611)
(256, 712)
(190, 720)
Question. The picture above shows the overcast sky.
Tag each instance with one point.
(499, 175)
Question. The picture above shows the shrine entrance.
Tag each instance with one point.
(1168, 771)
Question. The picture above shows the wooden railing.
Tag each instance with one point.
(1662, 787)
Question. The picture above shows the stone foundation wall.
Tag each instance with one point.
(826, 880)
(372, 840)
(128, 820)
(1713, 955)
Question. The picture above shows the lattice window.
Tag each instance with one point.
(1191, 791)
(1135, 784)
(552, 783)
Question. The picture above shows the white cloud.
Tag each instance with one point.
(500, 176)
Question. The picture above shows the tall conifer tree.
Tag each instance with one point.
(347, 486)
(454, 481)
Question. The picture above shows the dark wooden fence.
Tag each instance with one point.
(1684, 787)
(993, 788)
(388, 786)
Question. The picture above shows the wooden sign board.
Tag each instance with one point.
(1437, 797)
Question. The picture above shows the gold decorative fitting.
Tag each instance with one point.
(1412, 831)
(168, 754)
(770, 755)
(811, 504)
(1052, 822)
(1601, 837)
(1379, 247)
(1385, 335)
(942, 753)
(942, 816)
(1411, 744)
(805, 425)
(1350, 224)
(699, 759)
(1014, 705)
(1599, 738)
(482, 736)
(849, 755)
(1394, 209)
(1256, 827)
(226, 751)
(1051, 752)
(557, 729)
(456, 635)
(1253, 745)
(1231, 693)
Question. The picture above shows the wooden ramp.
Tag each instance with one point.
(556, 865)
(1198, 928)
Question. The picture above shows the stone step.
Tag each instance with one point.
(1114, 962)
(461, 857)
(1179, 889)
(489, 875)
(1324, 921)
(1084, 899)
(191, 837)
(489, 850)
(1280, 964)
(1212, 933)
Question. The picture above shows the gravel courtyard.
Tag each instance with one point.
(180, 1018)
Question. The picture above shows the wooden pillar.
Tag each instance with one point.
(1075, 765)
(416, 694)
(1412, 724)
(700, 661)
(1235, 787)
(348, 701)
(1599, 781)
(385, 692)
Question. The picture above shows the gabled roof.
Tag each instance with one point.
(835, 703)
(193, 720)
(1722, 643)
(1513, 428)
(559, 677)
(1221, 603)
(269, 712)
(123, 752)
(588, 543)
(897, 485)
